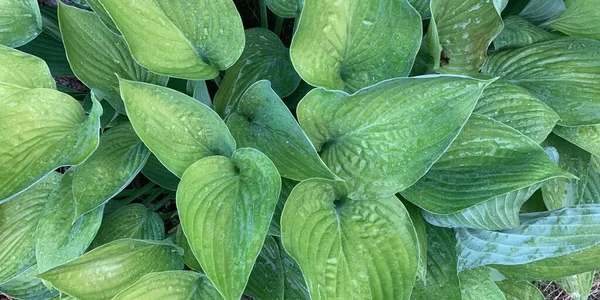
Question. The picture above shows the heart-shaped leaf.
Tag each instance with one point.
(585, 137)
(242, 192)
(518, 32)
(133, 221)
(176, 128)
(519, 290)
(21, 22)
(267, 279)
(362, 249)
(384, 138)
(171, 284)
(20, 71)
(346, 45)
(581, 18)
(283, 8)
(191, 39)
(109, 269)
(26, 286)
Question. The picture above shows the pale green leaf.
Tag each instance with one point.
(159, 174)
(265, 57)
(260, 120)
(27, 287)
(518, 32)
(578, 286)
(486, 160)
(191, 39)
(581, 18)
(171, 285)
(295, 286)
(347, 45)
(107, 270)
(591, 194)
(384, 138)
(350, 249)
(286, 188)
(476, 284)
(283, 8)
(422, 6)
(188, 256)
(585, 137)
(18, 221)
(20, 22)
(133, 221)
(96, 5)
(20, 71)
(243, 192)
(266, 281)
(520, 290)
(542, 10)
(176, 128)
(562, 73)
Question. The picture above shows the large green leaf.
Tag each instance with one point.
(60, 237)
(266, 281)
(188, 256)
(96, 5)
(518, 32)
(283, 8)
(542, 10)
(385, 137)
(514, 106)
(18, 221)
(520, 290)
(171, 285)
(461, 31)
(20, 22)
(486, 160)
(350, 249)
(107, 270)
(176, 128)
(578, 286)
(351, 44)
(581, 18)
(20, 71)
(242, 192)
(563, 73)
(27, 287)
(261, 121)
(264, 57)
(159, 174)
(133, 221)
(191, 39)
(50, 48)
(586, 137)
(591, 194)
(41, 130)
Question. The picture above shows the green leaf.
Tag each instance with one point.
(294, 284)
(416, 215)
(21, 22)
(520, 290)
(266, 281)
(350, 249)
(50, 48)
(243, 192)
(286, 189)
(562, 73)
(199, 91)
(96, 5)
(486, 160)
(107, 270)
(261, 121)
(578, 286)
(384, 138)
(171, 284)
(118, 159)
(283, 8)
(591, 194)
(176, 128)
(18, 221)
(518, 32)
(347, 45)
(133, 221)
(20, 71)
(461, 31)
(191, 39)
(27, 287)
(585, 137)
(188, 256)
(423, 7)
(97, 55)
(514, 106)
(476, 284)
(41, 130)
(159, 174)
(542, 10)
(60, 237)
(581, 18)
(264, 57)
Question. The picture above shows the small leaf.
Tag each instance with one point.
(476, 284)
(20, 71)
(295, 286)
(133, 221)
(171, 284)
(266, 280)
(520, 290)
(349, 249)
(585, 137)
(261, 121)
(591, 194)
(27, 287)
(107, 270)
(188, 255)
(581, 18)
(346, 45)
(384, 138)
(578, 286)
(283, 8)
(191, 39)
(159, 174)
(541, 10)
(243, 192)
(518, 32)
(21, 22)
(175, 127)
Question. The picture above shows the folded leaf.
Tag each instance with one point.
(191, 39)
(171, 284)
(385, 137)
(486, 160)
(578, 286)
(581, 18)
(242, 192)
(176, 128)
(562, 73)
(21, 22)
(349, 249)
(518, 32)
(347, 45)
(541, 10)
(520, 290)
(27, 287)
(283, 8)
(107, 270)
(188, 256)
(20, 71)
(585, 137)
(133, 221)
(159, 174)
(267, 278)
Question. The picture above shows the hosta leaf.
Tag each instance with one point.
(578, 286)
(476, 284)
(107, 270)
(520, 290)
(346, 45)
(191, 39)
(591, 194)
(176, 128)
(295, 286)
(581, 18)
(264, 57)
(283, 8)
(50, 48)
(188, 256)
(20, 22)
(266, 281)
(416, 215)
(159, 174)
(27, 287)
(96, 5)
(20, 71)
(261, 120)
(374, 139)
(18, 220)
(562, 73)
(171, 284)
(514, 106)
(422, 6)
(133, 221)
(518, 32)
(556, 234)
(242, 192)
(286, 189)
(585, 137)
(462, 31)
(199, 91)
(41, 130)
(97, 55)
(486, 160)
(542, 10)
(361, 249)
(59, 237)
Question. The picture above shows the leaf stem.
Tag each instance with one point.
(278, 25)
(264, 22)
(152, 196)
